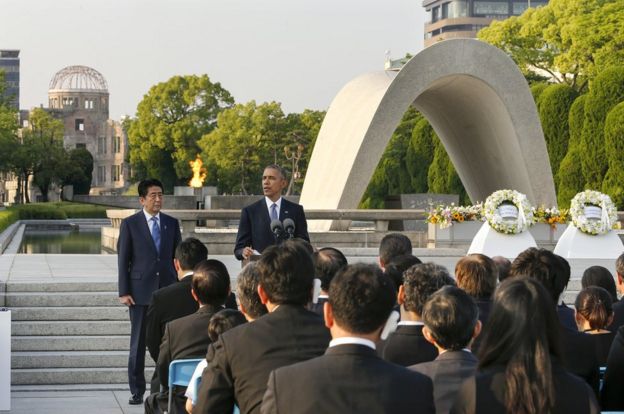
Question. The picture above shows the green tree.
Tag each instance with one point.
(569, 177)
(170, 120)
(606, 91)
(420, 155)
(613, 183)
(79, 171)
(554, 106)
(537, 89)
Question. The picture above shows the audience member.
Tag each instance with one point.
(594, 314)
(391, 246)
(350, 377)
(187, 337)
(451, 323)
(477, 275)
(407, 346)
(327, 263)
(399, 264)
(222, 321)
(241, 360)
(612, 397)
(601, 277)
(503, 265)
(554, 272)
(519, 369)
(247, 292)
(618, 305)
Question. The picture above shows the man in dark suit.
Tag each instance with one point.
(145, 251)
(173, 301)
(350, 378)
(391, 246)
(451, 323)
(327, 263)
(407, 346)
(254, 230)
(240, 361)
(612, 398)
(187, 337)
(618, 305)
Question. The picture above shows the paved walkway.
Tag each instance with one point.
(62, 402)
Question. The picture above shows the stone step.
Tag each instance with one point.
(73, 376)
(36, 328)
(72, 359)
(68, 387)
(72, 313)
(71, 343)
(94, 286)
(38, 299)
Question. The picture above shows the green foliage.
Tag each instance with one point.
(606, 91)
(79, 170)
(52, 211)
(420, 154)
(554, 105)
(570, 175)
(537, 89)
(7, 217)
(613, 183)
(170, 120)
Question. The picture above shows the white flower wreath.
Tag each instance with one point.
(595, 226)
(524, 219)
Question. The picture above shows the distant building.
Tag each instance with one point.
(464, 18)
(10, 64)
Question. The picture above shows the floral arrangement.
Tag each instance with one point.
(524, 219)
(551, 216)
(608, 219)
(446, 215)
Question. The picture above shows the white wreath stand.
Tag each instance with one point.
(491, 243)
(574, 244)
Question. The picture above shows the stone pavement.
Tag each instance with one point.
(61, 402)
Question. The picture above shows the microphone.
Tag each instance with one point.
(289, 226)
(277, 229)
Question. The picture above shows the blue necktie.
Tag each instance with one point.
(274, 212)
(156, 233)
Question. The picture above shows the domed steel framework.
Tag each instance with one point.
(78, 78)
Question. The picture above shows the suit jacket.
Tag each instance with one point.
(407, 346)
(618, 316)
(612, 395)
(318, 306)
(243, 357)
(566, 316)
(348, 379)
(485, 394)
(254, 228)
(142, 269)
(579, 353)
(447, 372)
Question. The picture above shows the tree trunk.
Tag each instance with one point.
(26, 196)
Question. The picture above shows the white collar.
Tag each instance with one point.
(188, 274)
(148, 216)
(463, 350)
(411, 323)
(323, 297)
(269, 203)
(352, 340)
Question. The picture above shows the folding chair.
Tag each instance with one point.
(195, 395)
(180, 373)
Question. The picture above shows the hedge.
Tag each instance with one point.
(613, 183)
(570, 178)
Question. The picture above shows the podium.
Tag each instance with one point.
(491, 243)
(574, 244)
(5, 359)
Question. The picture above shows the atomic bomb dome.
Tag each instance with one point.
(78, 78)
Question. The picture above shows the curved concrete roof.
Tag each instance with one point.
(478, 103)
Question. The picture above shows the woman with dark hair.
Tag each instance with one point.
(594, 313)
(599, 276)
(519, 360)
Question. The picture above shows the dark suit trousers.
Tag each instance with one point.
(136, 360)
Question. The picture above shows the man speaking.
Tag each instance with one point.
(268, 221)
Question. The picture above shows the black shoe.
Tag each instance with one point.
(135, 399)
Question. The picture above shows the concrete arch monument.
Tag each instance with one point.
(478, 103)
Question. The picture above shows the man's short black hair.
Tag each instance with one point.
(287, 273)
(503, 265)
(420, 282)
(551, 270)
(144, 186)
(451, 315)
(189, 252)
(211, 282)
(399, 264)
(361, 298)
(279, 169)
(247, 291)
(392, 245)
(327, 262)
(600, 276)
(224, 320)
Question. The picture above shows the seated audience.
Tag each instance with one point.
(554, 272)
(451, 323)
(395, 268)
(247, 292)
(618, 305)
(187, 337)
(220, 322)
(327, 262)
(350, 378)
(612, 397)
(503, 266)
(519, 368)
(601, 277)
(391, 246)
(477, 275)
(593, 315)
(240, 362)
(407, 346)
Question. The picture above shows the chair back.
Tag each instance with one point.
(180, 373)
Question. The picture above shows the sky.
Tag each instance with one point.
(297, 52)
